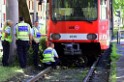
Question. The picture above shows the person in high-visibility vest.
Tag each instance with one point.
(6, 40)
(23, 40)
(35, 42)
(50, 56)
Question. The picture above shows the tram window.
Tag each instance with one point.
(74, 9)
(103, 12)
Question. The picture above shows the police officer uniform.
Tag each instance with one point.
(6, 40)
(22, 32)
(35, 44)
(49, 57)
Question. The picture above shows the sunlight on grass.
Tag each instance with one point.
(114, 57)
(8, 72)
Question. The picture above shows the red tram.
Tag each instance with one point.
(79, 26)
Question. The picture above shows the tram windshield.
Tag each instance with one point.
(63, 10)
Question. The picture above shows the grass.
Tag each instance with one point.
(114, 57)
(85, 72)
(8, 72)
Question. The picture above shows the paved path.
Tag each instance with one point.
(120, 63)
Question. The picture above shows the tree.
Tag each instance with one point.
(119, 5)
(23, 11)
(12, 14)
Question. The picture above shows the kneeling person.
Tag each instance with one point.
(50, 56)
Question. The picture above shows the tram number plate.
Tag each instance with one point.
(73, 36)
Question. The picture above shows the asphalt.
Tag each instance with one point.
(120, 62)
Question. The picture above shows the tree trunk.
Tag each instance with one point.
(24, 12)
(12, 14)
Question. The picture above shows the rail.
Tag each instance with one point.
(38, 76)
(90, 73)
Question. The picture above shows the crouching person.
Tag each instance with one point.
(50, 56)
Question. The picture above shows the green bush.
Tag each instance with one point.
(42, 47)
(114, 57)
(42, 44)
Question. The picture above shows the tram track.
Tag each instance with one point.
(99, 71)
(91, 71)
(68, 78)
(71, 74)
(40, 75)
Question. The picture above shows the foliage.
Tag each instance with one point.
(42, 47)
(118, 4)
(42, 44)
(114, 57)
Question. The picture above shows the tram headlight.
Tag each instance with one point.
(91, 36)
(55, 36)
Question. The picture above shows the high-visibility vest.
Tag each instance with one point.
(9, 37)
(48, 56)
(3, 36)
(37, 34)
(22, 31)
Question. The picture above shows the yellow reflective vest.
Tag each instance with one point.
(48, 56)
(22, 31)
(37, 34)
(9, 37)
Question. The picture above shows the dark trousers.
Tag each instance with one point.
(35, 47)
(53, 64)
(6, 50)
(22, 48)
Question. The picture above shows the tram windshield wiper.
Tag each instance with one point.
(89, 21)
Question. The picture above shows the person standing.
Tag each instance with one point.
(23, 39)
(6, 40)
(35, 42)
(50, 56)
